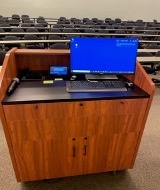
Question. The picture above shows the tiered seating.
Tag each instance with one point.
(44, 27)
(53, 33)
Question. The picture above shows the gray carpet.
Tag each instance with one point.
(144, 176)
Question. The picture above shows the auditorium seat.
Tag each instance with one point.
(62, 18)
(138, 29)
(104, 25)
(55, 30)
(85, 19)
(2, 56)
(151, 69)
(153, 46)
(68, 26)
(43, 22)
(89, 22)
(9, 46)
(119, 33)
(59, 46)
(32, 30)
(25, 26)
(73, 19)
(13, 22)
(99, 22)
(31, 22)
(6, 27)
(33, 45)
(107, 20)
(95, 19)
(78, 22)
(151, 33)
(53, 37)
(40, 27)
(16, 16)
(157, 64)
(2, 20)
(57, 26)
(18, 30)
(2, 31)
(118, 20)
(40, 18)
(105, 31)
(25, 17)
(68, 30)
(89, 30)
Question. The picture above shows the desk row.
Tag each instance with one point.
(81, 28)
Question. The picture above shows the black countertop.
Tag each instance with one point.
(38, 91)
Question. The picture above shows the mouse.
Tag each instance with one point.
(73, 77)
(129, 85)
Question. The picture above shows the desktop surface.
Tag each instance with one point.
(39, 91)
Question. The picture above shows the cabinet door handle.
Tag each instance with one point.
(73, 151)
(85, 150)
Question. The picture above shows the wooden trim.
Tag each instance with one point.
(42, 52)
(8, 72)
(9, 142)
(142, 79)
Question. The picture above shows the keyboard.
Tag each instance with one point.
(100, 86)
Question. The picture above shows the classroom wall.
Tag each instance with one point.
(124, 9)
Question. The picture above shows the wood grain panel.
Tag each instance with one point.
(142, 79)
(96, 154)
(46, 159)
(52, 129)
(123, 106)
(121, 151)
(40, 62)
(73, 127)
(74, 109)
(8, 72)
(119, 123)
(50, 110)
(42, 52)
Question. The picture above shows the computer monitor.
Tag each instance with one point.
(103, 55)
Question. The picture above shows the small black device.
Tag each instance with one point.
(13, 86)
(33, 77)
(59, 71)
(129, 85)
(156, 81)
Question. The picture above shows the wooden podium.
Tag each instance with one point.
(66, 135)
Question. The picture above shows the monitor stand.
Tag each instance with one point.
(100, 77)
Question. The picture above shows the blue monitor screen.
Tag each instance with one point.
(103, 55)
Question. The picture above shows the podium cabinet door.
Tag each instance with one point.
(45, 159)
